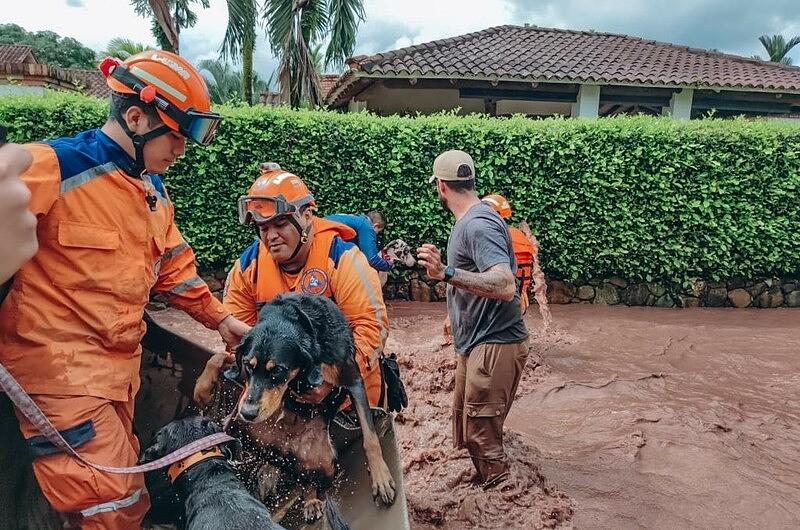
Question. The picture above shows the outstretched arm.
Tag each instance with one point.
(497, 282)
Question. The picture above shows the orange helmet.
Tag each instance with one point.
(500, 205)
(176, 89)
(275, 193)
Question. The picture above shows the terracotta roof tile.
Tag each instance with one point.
(533, 53)
(16, 53)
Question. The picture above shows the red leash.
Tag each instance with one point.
(31, 410)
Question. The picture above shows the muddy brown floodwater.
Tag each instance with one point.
(625, 418)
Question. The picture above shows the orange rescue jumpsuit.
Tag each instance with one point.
(523, 253)
(71, 324)
(335, 268)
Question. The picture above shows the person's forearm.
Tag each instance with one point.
(489, 284)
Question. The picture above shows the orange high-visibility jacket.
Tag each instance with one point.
(523, 252)
(335, 268)
(72, 321)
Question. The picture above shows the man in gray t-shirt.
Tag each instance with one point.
(491, 339)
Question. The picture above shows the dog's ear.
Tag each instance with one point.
(234, 371)
(155, 450)
(306, 323)
(232, 450)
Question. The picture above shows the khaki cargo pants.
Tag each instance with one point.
(486, 381)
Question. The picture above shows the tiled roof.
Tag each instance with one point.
(530, 53)
(327, 82)
(15, 53)
(92, 81)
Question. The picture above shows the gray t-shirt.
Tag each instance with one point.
(479, 241)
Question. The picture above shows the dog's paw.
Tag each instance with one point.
(313, 510)
(268, 478)
(383, 487)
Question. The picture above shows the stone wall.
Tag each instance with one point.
(763, 293)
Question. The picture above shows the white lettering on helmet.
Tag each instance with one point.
(283, 176)
(172, 64)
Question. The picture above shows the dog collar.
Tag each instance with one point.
(176, 469)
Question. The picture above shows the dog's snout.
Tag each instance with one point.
(248, 411)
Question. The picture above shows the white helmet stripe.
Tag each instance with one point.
(158, 83)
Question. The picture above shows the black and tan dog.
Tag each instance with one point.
(202, 491)
(302, 343)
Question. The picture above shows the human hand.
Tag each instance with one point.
(429, 257)
(447, 331)
(232, 330)
(207, 382)
(18, 241)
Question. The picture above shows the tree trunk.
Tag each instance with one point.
(248, 47)
(163, 16)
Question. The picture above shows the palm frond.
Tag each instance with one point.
(242, 20)
(345, 17)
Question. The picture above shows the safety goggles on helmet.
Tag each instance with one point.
(200, 127)
(262, 209)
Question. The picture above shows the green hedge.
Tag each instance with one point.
(641, 198)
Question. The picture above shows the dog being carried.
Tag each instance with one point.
(303, 343)
(341, 350)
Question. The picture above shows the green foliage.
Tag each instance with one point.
(50, 48)
(777, 48)
(641, 198)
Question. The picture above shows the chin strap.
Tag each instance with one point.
(138, 141)
(304, 233)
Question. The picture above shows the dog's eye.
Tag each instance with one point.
(279, 375)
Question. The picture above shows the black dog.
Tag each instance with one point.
(209, 491)
(304, 342)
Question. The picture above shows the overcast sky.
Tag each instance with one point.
(728, 25)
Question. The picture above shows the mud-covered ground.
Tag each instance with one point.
(625, 418)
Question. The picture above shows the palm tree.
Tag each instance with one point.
(169, 17)
(777, 47)
(226, 84)
(240, 40)
(122, 48)
(293, 27)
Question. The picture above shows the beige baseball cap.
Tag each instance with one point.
(453, 165)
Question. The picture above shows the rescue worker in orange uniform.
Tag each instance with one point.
(523, 249)
(71, 324)
(300, 252)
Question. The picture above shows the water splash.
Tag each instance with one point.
(539, 281)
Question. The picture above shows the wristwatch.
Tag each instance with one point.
(449, 272)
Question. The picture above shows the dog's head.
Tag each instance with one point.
(400, 252)
(166, 504)
(281, 348)
(179, 433)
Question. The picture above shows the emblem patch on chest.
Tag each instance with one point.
(314, 281)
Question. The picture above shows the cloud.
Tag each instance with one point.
(75, 3)
(383, 35)
(731, 26)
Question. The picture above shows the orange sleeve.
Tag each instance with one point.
(178, 279)
(239, 299)
(43, 178)
(357, 291)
